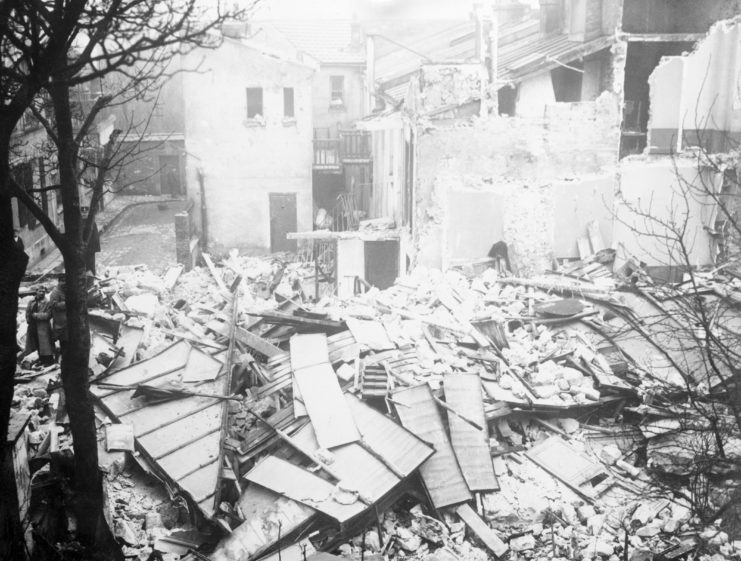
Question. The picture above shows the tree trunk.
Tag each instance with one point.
(92, 529)
(12, 267)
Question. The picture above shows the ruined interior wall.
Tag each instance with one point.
(449, 84)
(669, 191)
(696, 96)
(496, 178)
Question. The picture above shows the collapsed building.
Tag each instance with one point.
(466, 414)
(542, 402)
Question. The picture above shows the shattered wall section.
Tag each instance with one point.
(657, 198)
(511, 179)
(446, 85)
(697, 97)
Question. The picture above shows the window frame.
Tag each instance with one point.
(251, 114)
(286, 98)
(337, 90)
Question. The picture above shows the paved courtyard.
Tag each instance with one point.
(144, 234)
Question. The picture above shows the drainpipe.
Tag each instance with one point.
(370, 74)
(204, 213)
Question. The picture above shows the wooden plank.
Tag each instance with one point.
(128, 341)
(200, 367)
(214, 273)
(370, 334)
(320, 390)
(171, 276)
(482, 530)
(463, 394)
(441, 474)
(576, 472)
(253, 341)
(303, 486)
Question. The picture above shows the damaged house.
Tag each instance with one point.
(248, 139)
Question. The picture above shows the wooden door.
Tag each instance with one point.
(170, 175)
(381, 262)
(282, 221)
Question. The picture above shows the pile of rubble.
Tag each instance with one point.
(457, 415)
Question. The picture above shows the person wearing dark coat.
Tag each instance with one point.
(18, 240)
(38, 334)
(58, 307)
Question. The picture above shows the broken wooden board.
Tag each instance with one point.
(471, 446)
(441, 474)
(268, 518)
(253, 341)
(387, 453)
(201, 367)
(552, 453)
(128, 340)
(482, 530)
(320, 391)
(301, 485)
(181, 438)
(214, 273)
(370, 334)
(171, 276)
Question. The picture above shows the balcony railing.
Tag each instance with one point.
(351, 146)
(355, 145)
(326, 153)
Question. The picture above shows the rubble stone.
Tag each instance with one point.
(522, 543)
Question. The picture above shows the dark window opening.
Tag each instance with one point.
(254, 102)
(288, 106)
(567, 82)
(640, 62)
(337, 90)
(23, 175)
(507, 100)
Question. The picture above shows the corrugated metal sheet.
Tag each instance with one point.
(463, 394)
(320, 391)
(182, 437)
(441, 474)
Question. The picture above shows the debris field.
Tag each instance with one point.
(470, 414)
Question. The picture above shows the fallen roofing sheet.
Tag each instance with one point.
(386, 454)
(182, 437)
(321, 391)
(441, 474)
(370, 334)
(303, 486)
(463, 394)
(552, 453)
(267, 517)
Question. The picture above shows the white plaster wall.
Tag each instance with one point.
(652, 187)
(242, 161)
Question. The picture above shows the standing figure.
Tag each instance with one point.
(38, 335)
(58, 307)
(18, 240)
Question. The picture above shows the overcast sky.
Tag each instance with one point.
(345, 9)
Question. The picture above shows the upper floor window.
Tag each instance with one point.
(254, 103)
(289, 110)
(337, 91)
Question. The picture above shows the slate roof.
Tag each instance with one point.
(328, 41)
